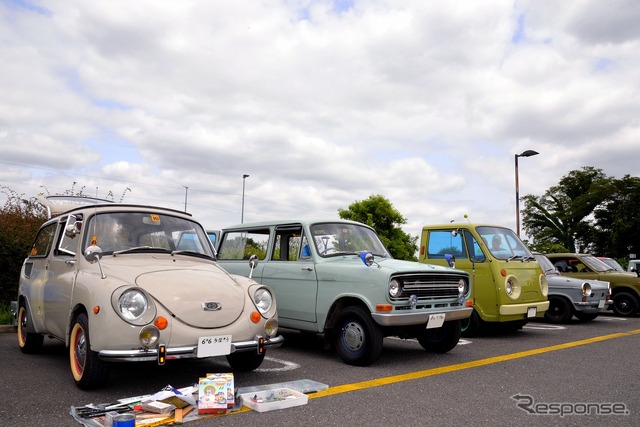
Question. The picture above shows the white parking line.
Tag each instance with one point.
(288, 366)
(544, 327)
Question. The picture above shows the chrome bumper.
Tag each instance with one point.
(412, 318)
(172, 353)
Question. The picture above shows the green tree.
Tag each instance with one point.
(617, 224)
(379, 213)
(20, 220)
(564, 214)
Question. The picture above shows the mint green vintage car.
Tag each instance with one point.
(336, 277)
(127, 283)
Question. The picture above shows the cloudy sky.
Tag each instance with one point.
(322, 103)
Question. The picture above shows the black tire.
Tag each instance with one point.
(471, 326)
(28, 342)
(559, 311)
(440, 340)
(357, 339)
(625, 304)
(585, 317)
(89, 372)
(245, 361)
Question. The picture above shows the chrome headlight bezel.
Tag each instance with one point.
(395, 288)
(263, 300)
(463, 287)
(133, 305)
(586, 289)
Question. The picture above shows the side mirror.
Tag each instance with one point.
(72, 230)
(451, 260)
(93, 253)
(253, 262)
(367, 258)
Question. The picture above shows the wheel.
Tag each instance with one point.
(357, 338)
(440, 340)
(470, 327)
(559, 311)
(29, 342)
(625, 304)
(585, 317)
(88, 370)
(245, 361)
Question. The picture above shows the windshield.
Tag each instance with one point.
(612, 263)
(333, 239)
(546, 264)
(595, 264)
(122, 231)
(503, 243)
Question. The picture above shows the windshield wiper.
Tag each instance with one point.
(192, 253)
(141, 249)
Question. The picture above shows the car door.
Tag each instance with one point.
(291, 274)
(58, 289)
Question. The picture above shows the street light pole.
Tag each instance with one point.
(244, 177)
(527, 153)
(186, 190)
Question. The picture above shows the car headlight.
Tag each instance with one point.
(512, 287)
(263, 300)
(395, 289)
(544, 285)
(586, 289)
(132, 304)
(463, 287)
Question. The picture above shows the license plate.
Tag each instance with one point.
(532, 311)
(219, 345)
(435, 320)
(601, 303)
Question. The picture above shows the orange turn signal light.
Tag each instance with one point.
(503, 272)
(468, 303)
(161, 323)
(384, 307)
(96, 309)
(255, 317)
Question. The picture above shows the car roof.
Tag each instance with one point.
(466, 224)
(286, 222)
(60, 204)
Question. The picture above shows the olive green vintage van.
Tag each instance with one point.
(509, 287)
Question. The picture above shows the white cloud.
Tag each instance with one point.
(322, 103)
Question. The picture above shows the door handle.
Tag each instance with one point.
(307, 269)
(70, 261)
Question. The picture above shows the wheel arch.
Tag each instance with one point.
(340, 305)
(73, 315)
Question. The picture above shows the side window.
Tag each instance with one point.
(243, 244)
(287, 244)
(42, 245)
(443, 242)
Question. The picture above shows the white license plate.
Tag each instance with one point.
(219, 345)
(435, 320)
(601, 303)
(532, 311)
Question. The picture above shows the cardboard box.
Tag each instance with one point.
(269, 400)
(215, 393)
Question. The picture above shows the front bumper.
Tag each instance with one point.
(422, 317)
(592, 306)
(151, 354)
(511, 309)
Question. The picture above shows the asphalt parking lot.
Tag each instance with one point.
(542, 375)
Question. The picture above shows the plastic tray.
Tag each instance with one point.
(263, 401)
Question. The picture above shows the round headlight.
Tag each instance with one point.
(512, 287)
(149, 336)
(394, 288)
(263, 300)
(586, 289)
(544, 285)
(132, 304)
(462, 287)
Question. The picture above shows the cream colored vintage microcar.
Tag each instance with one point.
(124, 283)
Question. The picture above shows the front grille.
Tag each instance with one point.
(432, 287)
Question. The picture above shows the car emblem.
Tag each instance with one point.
(211, 306)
